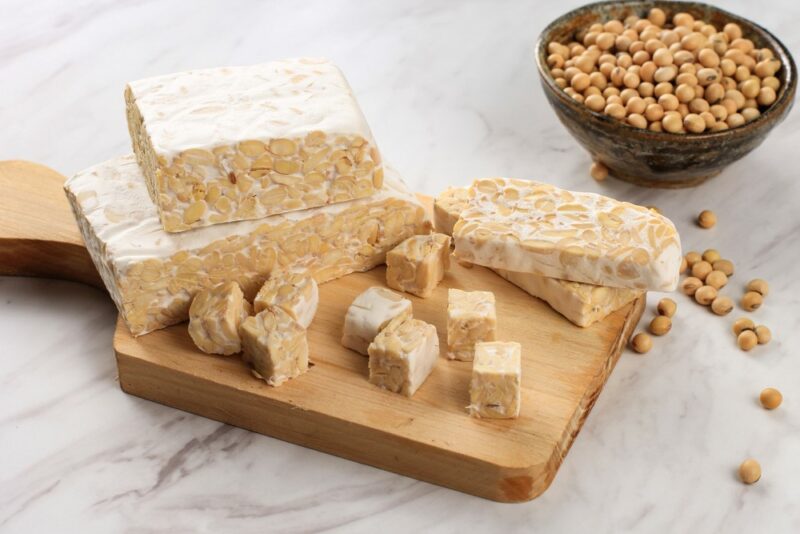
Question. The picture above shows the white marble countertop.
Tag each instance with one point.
(451, 93)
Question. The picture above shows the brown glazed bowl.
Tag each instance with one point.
(660, 159)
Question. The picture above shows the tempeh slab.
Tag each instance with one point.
(531, 227)
(237, 143)
(152, 275)
(583, 304)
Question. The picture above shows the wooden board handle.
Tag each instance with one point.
(38, 234)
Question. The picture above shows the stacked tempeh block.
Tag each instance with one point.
(584, 254)
(241, 175)
(238, 143)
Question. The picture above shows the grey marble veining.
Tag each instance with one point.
(451, 93)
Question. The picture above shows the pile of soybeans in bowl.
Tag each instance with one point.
(682, 77)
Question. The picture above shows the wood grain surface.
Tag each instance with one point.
(333, 408)
(38, 235)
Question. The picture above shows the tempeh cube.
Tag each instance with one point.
(447, 208)
(418, 264)
(370, 313)
(235, 143)
(471, 319)
(530, 227)
(275, 345)
(215, 316)
(402, 356)
(296, 293)
(494, 391)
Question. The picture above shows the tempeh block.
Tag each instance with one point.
(153, 275)
(237, 143)
(530, 227)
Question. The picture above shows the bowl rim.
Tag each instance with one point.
(785, 93)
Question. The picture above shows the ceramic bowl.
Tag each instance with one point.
(660, 159)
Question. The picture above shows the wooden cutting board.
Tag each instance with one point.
(333, 408)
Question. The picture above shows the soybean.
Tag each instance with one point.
(759, 286)
(660, 325)
(641, 343)
(705, 295)
(716, 79)
(667, 307)
(746, 340)
(750, 470)
(752, 301)
(690, 285)
(716, 279)
(763, 334)
(743, 323)
(722, 305)
(770, 398)
(707, 219)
